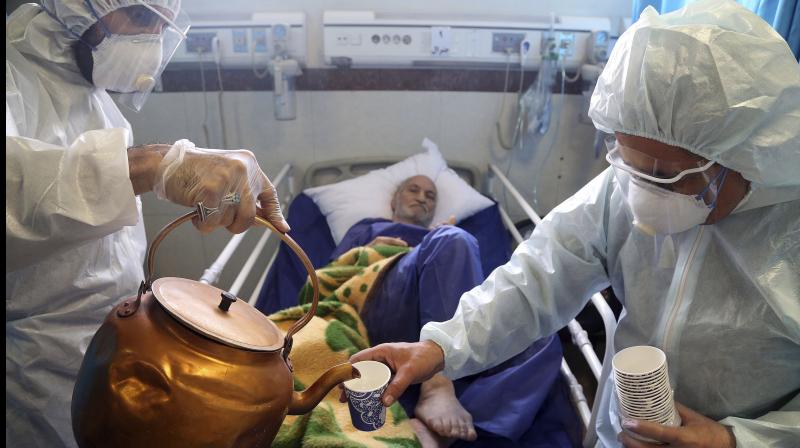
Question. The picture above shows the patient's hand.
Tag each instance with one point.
(451, 221)
(388, 241)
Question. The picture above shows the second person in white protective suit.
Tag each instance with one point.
(695, 226)
(74, 236)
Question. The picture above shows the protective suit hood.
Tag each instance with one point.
(41, 38)
(712, 78)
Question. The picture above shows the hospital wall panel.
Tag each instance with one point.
(242, 9)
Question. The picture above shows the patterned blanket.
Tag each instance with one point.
(331, 337)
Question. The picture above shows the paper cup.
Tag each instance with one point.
(673, 419)
(642, 384)
(642, 381)
(643, 391)
(364, 395)
(640, 361)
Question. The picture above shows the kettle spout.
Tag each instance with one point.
(305, 401)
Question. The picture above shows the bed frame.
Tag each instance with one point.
(343, 169)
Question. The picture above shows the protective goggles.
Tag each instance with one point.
(686, 176)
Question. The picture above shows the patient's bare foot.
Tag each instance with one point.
(428, 438)
(440, 410)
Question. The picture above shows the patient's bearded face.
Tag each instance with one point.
(415, 201)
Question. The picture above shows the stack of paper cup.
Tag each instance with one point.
(642, 384)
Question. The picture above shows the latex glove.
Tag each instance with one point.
(387, 241)
(696, 431)
(412, 363)
(188, 175)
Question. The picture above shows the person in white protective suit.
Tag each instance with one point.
(695, 226)
(74, 236)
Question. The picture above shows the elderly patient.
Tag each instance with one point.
(438, 414)
(520, 402)
(425, 286)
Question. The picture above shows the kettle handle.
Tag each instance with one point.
(312, 275)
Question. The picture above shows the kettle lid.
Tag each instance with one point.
(217, 314)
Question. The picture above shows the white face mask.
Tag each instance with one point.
(127, 63)
(657, 211)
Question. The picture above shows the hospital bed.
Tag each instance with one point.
(493, 181)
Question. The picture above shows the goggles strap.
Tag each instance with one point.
(724, 173)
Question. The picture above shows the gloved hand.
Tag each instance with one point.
(188, 175)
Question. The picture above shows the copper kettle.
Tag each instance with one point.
(185, 364)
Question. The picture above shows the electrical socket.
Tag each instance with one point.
(549, 47)
(558, 45)
(343, 39)
(507, 42)
(566, 44)
(240, 41)
(259, 40)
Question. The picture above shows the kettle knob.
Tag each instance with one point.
(227, 299)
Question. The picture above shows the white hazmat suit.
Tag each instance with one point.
(74, 236)
(715, 79)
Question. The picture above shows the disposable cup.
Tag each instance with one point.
(642, 385)
(636, 362)
(364, 395)
(639, 395)
(642, 376)
(639, 360)
(642, 381)
(644, 389)
(643, 394)
(670, 419)
(653, 415)
(662, 410)
(651, 406)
